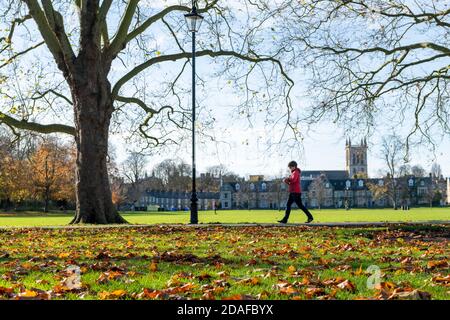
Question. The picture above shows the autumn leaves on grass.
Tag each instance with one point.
(167, 262)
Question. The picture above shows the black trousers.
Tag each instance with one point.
(297, 198)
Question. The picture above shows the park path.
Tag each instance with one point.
(237, 225)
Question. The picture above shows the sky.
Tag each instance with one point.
(322, 150)
(243, 149)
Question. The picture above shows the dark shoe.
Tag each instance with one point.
(282, 221)
(309, 220)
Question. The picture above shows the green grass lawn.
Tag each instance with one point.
(241, 216)
(216, 262)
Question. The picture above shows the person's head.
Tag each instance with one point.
(292, 165)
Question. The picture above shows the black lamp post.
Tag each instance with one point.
(193, 21)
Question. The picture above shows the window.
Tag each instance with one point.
(327, 185)
(263, 186)
(225, 195)
(411, 182)
(348, 184)
(361, 183)
(380, 183)
(238, 186)
(252, 186)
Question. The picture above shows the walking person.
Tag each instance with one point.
(295, 193)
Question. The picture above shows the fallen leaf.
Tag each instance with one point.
(33, 294)
(347, 285)
(64, 255)
(442, 280)
(250, 281)
(437, 264)
(153, 267)
(292, 269)
(116, 294)
(314, 291)
(410, 295)
(204, 276)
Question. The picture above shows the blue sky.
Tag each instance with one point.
(243, 147)
(323, 149)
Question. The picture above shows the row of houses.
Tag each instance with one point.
(175, 200)
(334, 193)
(337, 190)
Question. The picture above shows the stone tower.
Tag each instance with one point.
(356, 158)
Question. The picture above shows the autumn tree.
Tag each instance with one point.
(95, 58)
(15, 172)
(4, 151)
(4, 169)
(52, 169)
(118, 190)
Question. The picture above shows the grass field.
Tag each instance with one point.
(241, 216)
(216, 262)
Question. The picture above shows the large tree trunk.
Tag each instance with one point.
(93, 105)
(93, 193)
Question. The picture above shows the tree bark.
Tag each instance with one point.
(93, 193)
(93, 106)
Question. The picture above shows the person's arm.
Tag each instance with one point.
(295, 177)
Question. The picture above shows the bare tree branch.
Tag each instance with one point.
(184, 55)
(36, 127)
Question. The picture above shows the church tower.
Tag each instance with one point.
(356, 158)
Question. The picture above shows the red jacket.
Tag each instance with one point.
(294, 181)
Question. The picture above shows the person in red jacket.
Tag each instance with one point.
(295, 193)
